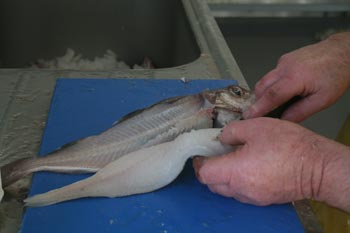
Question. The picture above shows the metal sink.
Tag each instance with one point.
(133, 29)
(180, 37)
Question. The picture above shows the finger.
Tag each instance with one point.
(197, 164)
(274, 96)
(215, 170)
(265, 82)
(222, 189)
(237, 132)
(227, 191)
(304, 108)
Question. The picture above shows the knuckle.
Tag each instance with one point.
(271, 93)
(284, 58)
(294, 71)
(321, 102)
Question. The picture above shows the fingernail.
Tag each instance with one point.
(197, 164)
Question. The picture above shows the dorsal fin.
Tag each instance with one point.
(139, 111)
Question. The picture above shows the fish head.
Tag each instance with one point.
(229, 103)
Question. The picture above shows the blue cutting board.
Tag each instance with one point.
(84, 107)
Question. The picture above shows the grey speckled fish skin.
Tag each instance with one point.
(159, 123)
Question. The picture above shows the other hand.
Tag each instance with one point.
(318, 73)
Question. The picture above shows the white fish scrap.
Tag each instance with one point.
(74, 61)
(140, 171)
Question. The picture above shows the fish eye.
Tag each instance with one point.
(236, 91)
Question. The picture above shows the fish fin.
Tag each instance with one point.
(64, 146)
(139, 111)
(14, 171)
(169, 100)
(52, 197)
(128, 116)
(124, 118)
(70, 192)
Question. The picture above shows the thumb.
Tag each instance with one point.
(214, 170)
(304, 108)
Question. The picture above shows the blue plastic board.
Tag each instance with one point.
(84, 107)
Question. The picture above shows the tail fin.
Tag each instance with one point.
(14, 171)
(73, 191)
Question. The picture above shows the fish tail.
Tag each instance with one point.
(73, 191)
(14, 171)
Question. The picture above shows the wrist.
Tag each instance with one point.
(330, 178)
(342, 39)
(343, 35)
(341, 43)
(339, 50)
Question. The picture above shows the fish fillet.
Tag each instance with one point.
(140, 171)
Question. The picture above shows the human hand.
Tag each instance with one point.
(318, 73)
(278, 162)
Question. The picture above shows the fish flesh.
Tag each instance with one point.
(159, 123)
(140, 171)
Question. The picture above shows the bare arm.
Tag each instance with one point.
(278, 162)
(318, 73)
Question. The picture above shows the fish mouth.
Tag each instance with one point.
(229, 109)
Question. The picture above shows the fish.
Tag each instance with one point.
(158, 123)
(141, 171)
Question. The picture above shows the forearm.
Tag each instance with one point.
(330, 177)
(333, 184)
(343, 40)
(330, 180)
(340, 42)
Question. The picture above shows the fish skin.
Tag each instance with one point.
(156, 124)
(140, 171)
